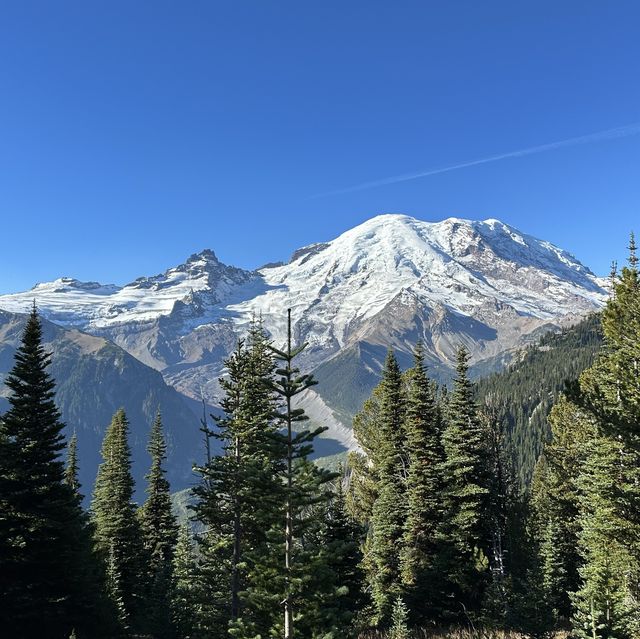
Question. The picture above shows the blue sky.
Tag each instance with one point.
(135, 133)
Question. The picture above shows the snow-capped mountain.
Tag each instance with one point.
(389, 281)
(68, 301)
(470, 269)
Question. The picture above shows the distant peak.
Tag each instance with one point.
(207, 255)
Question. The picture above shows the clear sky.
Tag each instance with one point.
(133, 134)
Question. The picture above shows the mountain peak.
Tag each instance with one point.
(206, 255)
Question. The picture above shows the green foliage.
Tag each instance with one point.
(239, 500)
(47, 574)
(465, 488)
(159, 533)
(303, 481)
(399, 619)
(383, 549)
(555, 502)
(604, 605)
(528, 388)
(424, 486)
(117, 535)
(184, 587)
(71, 469)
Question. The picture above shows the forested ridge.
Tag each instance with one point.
(525, 392)
(429, 530)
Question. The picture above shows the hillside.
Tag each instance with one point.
(527, 389)
(93, 379)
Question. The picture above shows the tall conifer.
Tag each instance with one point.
(388, 513)
(45, 590)
(116, 530)
(423, 492)
(159, 535)
(239, 499)
(303, 480)
(466, 488)
(609, 540)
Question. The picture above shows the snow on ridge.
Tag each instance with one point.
(335, 286)
(456, 263)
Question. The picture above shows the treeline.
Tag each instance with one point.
(436, 492)
(428, 527)
(276, 555)
(451, 536)
(525, 392)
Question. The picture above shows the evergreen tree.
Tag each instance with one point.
(334, 589)
(71, 469)
(423, 492)
(117, 536)
(364, 465)
(383, 550)
(303, 481)
(609, 540)
(555, 501)
(239, 499)
(466, 490)
(399, 618)
(45, 589)
(604, 605)
(184, 587)
(159, 534)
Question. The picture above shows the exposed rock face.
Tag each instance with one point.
(390, 281)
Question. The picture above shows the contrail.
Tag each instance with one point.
(609, 134)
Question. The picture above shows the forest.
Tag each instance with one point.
(457, 516)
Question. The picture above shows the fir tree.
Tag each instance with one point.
(399, 619)
(610, 495)
(239, 499)
(303, 481)
(604, 605)
(159, 533)
(466, 489)
(116, 530)
(45, 587)
(184, 587)
(71, 469)
(556, 505)
(423, 492)
(382, 559)
(364, 465)
(335, 584)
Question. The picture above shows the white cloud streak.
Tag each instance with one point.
(600, 136)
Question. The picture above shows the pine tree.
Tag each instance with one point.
(117, 536)
(159, 534)
(604, 605)
(466, 490)
(384, 546)
(423, 492)
(44, 586)
(240, 496)
(303, 481)
(555, 501)
(609, 540)
(399, 618)
(184, 587)
(71, 469)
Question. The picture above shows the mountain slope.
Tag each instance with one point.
(388, 282)
(93, 379)
(528, 388)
